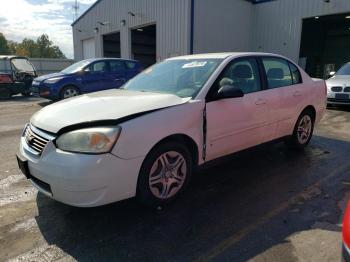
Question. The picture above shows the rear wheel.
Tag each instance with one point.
(303, 130)
(164, 174)
(26, 94)
(69, 91)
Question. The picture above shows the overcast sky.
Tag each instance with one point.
(31, 18)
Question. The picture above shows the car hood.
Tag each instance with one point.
(45, 77)
(105, 105)
(339, 80)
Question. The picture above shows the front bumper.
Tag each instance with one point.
(80, 179)
(39, 89)
(334, 100)
(345, 253)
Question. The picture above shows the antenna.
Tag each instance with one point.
(75, 7)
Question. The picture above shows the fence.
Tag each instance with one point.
(49, 65)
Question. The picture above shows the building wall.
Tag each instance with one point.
(221, 25)
(172, 17)
(277, 25)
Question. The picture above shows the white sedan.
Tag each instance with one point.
(146, 138)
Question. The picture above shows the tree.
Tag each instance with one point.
(4, 49)
(43, 47)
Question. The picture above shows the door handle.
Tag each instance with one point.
(297, 93)
(119, 79)
(260, 102)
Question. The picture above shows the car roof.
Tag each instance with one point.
(222, 55)
(108, 58)
(12, 56)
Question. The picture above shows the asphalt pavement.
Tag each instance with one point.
(264, 204)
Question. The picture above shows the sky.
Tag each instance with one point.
(31, 18)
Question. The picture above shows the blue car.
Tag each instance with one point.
(86, 76)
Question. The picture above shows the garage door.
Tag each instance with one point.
(89, 48)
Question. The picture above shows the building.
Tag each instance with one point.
(314, 33)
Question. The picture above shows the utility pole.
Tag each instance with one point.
(75, 7)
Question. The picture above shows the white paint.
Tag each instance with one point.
(88, 48)
(233, 124)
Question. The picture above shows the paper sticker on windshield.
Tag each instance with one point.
(194, 64)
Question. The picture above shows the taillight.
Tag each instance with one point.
(346, 226)
(5, 79)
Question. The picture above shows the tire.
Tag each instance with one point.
(159, 182)
(303, 130)
(26, 94)
(69, 91)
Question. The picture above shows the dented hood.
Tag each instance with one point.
(105, 105)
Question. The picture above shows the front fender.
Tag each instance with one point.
(140, 135)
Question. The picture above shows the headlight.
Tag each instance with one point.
(53, 80)
(96, 140)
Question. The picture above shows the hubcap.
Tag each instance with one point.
(304, 129)
(167, 175)
(70, 92)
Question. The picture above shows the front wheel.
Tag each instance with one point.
(69, 91)
(303, 130)
(164, 174)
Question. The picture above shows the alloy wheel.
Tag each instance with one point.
(304, 129)
(167, 175)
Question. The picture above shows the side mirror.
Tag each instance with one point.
(332, 73)
(229, 91)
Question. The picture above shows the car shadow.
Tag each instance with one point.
(232, 211)
(344, 108)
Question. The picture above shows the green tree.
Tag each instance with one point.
(4, 49)
(43, 47)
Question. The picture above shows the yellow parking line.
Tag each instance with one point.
(234, 239)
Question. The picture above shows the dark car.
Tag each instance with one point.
(86, 76)
(16, 76)
(346, 235)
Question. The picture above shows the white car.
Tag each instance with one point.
(145, 139)
(338, 86)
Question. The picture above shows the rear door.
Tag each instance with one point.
(132, 69)
(285, 94)
(117, 73)
(95, 77)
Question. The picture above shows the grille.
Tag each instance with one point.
(347, 89)
(336, 88)
(34, 140)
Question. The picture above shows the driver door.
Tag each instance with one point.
(95, 77)
(234, 124)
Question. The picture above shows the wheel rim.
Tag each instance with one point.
(304, 129)
(167, 175)
(70, 92)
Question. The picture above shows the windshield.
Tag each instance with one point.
(75, 67)
(184, 78)
(344, 70)
(22, 64)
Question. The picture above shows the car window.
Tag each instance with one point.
(344, 70)
(243, 74)
(295, 74)
(277, 72)
(97, 67)
(130, 65)
(116, 66)
(181, 77)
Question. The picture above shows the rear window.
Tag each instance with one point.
(130, 65)
(295, 74)
(277, 72)
(116, 65)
